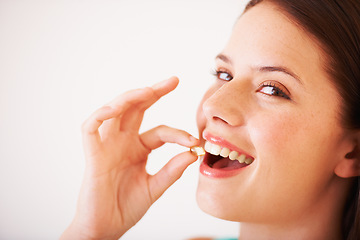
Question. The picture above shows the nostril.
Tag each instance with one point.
(230, 118)
(218, 119)
(216, 111)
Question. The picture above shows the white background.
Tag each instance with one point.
(59, 61)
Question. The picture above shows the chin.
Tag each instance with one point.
(216, 200)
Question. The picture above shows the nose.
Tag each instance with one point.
(227, 105)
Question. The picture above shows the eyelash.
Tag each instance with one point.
(278, 89)
(217, 74)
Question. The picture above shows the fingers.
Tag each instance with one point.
(91, 125)
(134, 99)
(171, 172)
(153, 93)
(125, 103)
(133, 118)
(166, 86)
(156, 137)
(114, 110)
(90, 133)
(124, 113)
(162, 88)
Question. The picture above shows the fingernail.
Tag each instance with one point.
(162, 83)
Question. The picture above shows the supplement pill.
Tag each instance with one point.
(198, 151)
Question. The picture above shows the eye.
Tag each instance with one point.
(222, 75)
(275, 89)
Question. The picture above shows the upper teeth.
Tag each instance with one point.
(216, 150)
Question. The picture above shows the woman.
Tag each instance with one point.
(285, 106)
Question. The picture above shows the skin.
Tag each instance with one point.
(291, 190)
(117, 191)
(296, 186)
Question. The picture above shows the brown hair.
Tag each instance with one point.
(335, 24)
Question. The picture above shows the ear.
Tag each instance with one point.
(349, 166)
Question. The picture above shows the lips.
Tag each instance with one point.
(223, 159)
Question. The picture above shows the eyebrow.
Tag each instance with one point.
(281, 69)
(224, 58)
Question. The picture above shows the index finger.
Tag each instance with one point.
(133, 118)
(160, 89)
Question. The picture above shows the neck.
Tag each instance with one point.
(322, 220)
(284, 232)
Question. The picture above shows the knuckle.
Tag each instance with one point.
(149, 89)
(162, 127)
(160, 131)
(84, 127)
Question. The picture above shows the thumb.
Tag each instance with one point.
(168, 175)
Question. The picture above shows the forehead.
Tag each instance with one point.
(264, 35)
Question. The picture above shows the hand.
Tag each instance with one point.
(116, 190)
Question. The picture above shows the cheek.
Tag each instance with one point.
(296, 153)
(200, 118)
(279, 156)
(295, 137)
(272, 133)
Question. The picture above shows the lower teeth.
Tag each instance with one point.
(226, 163)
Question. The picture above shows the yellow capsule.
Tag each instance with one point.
(197, 151)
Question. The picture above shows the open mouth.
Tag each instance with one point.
(223, 158)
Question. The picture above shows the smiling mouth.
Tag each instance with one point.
(218, 157)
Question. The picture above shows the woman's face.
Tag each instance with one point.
(273, 102)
